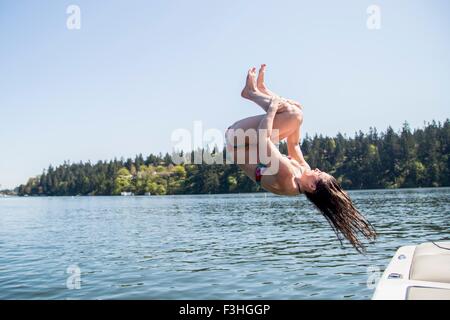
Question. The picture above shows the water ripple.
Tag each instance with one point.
(248, 246)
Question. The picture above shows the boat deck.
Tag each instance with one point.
(417, 273)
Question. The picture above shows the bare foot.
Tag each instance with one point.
(250, 89)
(260, 85)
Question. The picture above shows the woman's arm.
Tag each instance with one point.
(277, 166)
(268, 153)
(266, 123)
(294, 150)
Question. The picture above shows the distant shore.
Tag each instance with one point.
(375, 160)
(200, 194)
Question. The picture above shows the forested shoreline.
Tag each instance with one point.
(372, 160)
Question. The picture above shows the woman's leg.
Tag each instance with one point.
(252, 93)
(287, 122)
(242, 136)
(261, 86)
(294, 138)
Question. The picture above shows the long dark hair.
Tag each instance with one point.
(337, 207)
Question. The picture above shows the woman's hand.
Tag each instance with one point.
(295, 103)
(280, 105)
(277, 105)
(291, 103)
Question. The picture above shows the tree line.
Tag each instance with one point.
(372, 160)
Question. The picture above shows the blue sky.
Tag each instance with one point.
(138, 70)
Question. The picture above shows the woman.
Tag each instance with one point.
(290, 175)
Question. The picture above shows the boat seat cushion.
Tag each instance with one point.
(423, 293)
(431, 263)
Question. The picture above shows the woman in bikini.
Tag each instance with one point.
(251, 142)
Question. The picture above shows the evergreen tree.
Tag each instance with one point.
(418, 158)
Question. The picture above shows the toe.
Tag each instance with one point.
(261, 74)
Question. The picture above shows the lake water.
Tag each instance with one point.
(248, 246)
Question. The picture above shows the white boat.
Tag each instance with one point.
(127, 194)
(419, 272)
